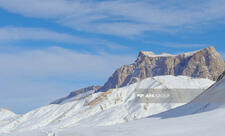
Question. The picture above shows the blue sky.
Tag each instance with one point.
(49, 48)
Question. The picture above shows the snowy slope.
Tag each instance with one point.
(205, 115)
(209, 121)
(101, 109)
(204, 124)
(212, 98)
(6, 114)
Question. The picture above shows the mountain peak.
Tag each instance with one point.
(6, 113)
(4, 109)
(205, 63)
(209, 49)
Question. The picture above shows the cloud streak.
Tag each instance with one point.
(179, 45)
(14, 34)
(56, 61)
(122, 17)
(8, 34)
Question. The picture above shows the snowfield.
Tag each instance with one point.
(205, 115)
(205, 124)
(101, 113)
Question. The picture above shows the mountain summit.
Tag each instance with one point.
(205, 63)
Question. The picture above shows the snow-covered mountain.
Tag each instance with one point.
(205, 115)
(101, 108)
(205, 63)
(104, 110)
(6, 114)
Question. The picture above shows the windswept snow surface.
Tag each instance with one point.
(99, 109)
(205, 124)
(210, 123)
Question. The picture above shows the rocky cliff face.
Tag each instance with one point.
(205, 63)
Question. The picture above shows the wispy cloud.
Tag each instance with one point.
(187, 45)
(179, 45)
(14, 34)
(122, 17)
(56, 61)
(20, 33)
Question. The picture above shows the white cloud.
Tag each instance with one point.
(185, 45)
(122, 17)
(58, 62)
(14, 34)
(180, 45)
(19, 33)
(41, 8)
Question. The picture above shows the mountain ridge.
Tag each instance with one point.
(205, 63)
(75, 94)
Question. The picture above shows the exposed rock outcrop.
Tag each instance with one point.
(221, 76)
(205, 63)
